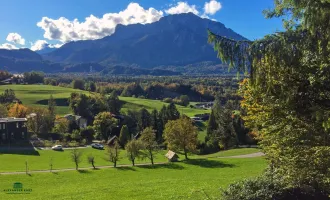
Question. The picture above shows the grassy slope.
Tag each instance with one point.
(32, 94)
(41, 159)
(174, 181)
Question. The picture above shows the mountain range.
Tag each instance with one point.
(174, 42)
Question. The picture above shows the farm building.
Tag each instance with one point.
(172, 156)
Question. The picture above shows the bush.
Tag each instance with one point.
(264, 188)
(73, 144)
(168, 100)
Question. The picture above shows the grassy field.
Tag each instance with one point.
(183, 180)
(40, 160)
(38, 95)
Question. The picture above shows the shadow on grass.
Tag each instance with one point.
(23, 149)
(125, 169)
(162, 166)
(207, 163)
(59, 101)
(84, 171)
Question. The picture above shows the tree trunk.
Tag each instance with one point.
(93, 165)
(151, 158)
(76, 166)
(185, 154)
(115, 164)
(133, 162)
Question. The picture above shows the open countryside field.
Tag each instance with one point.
(182, 180)
(38, 95)
(40, 159)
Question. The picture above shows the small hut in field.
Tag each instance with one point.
(172, 156)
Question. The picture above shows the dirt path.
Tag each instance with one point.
(252, 155)
(73, 169)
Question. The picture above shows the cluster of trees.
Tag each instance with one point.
(34, 77)
(8, 97)
(225, 128)
(179, 135)
(287, 101)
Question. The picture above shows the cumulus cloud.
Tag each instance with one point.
(212, 7)
(15, 38)
(42, 44)
(64, 30)
(7, 46)
(182, 7)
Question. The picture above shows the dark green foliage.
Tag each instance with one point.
(34, 77)
(267, 188)
(124, 136)
(114, 103)
(80, 105)
(90, 86)
(78, 84)
(144, 119)
(7, 97)
(87, 133)
(133, 89)
(171, 112)
(184, 100)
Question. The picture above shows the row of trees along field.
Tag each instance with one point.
(286, 100)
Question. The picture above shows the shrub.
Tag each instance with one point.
(168, 100)
(266, 188)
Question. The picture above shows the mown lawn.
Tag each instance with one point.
(188, 180)
(38, 95)
(40, 160)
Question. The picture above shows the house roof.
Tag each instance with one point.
(170, 154)
(13, 119)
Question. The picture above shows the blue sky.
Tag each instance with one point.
(40, 23)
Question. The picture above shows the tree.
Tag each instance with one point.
(157, 124)
(172, 112)
(90, 86)
(52, 105)
(40, 123)
(184, 100)
(3, 111)
(62, 126)
(124, 135)
(34, 77)
(285, 97)
(78, 84)
(148, 139)
(144, 119)
(8, 96)
(91, 160)
(113, 153)
(76, 157)
(81, 105)
(181, 134)
(103, 125)
(87, 133)
(133, 149)
(17, 110)
(114, 103)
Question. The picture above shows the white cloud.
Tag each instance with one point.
(64, 30)
(212, 7)
(42, 44)
(15, 38)
(7, 46)
(182, 7)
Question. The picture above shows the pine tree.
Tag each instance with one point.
(124, 135)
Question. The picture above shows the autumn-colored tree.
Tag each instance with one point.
(181, 134)
(17, 110)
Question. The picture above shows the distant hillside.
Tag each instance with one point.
(175, 40)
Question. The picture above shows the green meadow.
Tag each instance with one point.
(38, 95)
(197, 178)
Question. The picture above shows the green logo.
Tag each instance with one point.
(17, 189)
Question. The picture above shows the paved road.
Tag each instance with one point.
(252, 155)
